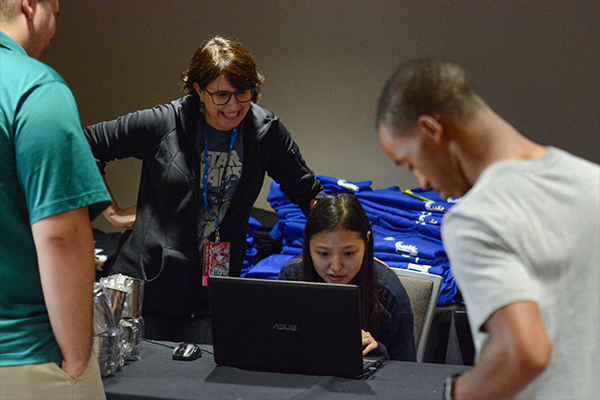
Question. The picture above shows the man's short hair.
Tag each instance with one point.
(8, 10)
(425, 86)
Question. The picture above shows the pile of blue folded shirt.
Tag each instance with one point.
(406, 231)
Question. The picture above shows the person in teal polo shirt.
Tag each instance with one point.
(50, 187)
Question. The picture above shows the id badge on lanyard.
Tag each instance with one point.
(216, 260)
(216, 254)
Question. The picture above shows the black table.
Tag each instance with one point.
(158, 376)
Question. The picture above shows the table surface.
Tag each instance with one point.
(158, 376)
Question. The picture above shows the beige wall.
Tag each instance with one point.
(536, 62)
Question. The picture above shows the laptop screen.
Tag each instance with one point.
(286, 326)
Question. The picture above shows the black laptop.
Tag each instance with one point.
(287, 326)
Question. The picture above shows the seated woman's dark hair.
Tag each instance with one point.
(344, 211)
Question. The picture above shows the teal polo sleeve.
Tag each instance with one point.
(55, 165)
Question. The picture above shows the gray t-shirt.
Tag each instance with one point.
(222, 174)
(530, 231)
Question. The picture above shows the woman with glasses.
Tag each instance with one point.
(204, 160)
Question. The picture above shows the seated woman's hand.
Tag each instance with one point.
(369, 343)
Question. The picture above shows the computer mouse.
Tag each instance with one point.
(187, 352)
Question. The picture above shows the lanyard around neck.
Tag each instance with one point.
(205, 178)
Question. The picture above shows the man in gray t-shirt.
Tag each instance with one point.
(522, 242)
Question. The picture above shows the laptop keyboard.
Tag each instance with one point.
(370, 365)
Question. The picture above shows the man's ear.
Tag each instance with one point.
(28, 8)
(430, 127)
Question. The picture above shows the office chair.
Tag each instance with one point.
(423, 290)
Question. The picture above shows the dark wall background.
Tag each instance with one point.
(537, 63)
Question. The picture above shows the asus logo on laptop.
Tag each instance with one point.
(284, 327)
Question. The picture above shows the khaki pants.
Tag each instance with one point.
(48, 381)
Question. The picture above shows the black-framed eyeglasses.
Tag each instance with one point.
(222, 98)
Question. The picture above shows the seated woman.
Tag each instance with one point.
(338, 248)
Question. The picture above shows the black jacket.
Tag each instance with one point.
(163, 246)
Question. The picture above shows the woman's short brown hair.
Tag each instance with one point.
(221, 56)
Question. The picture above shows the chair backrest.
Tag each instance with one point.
(423, 290)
